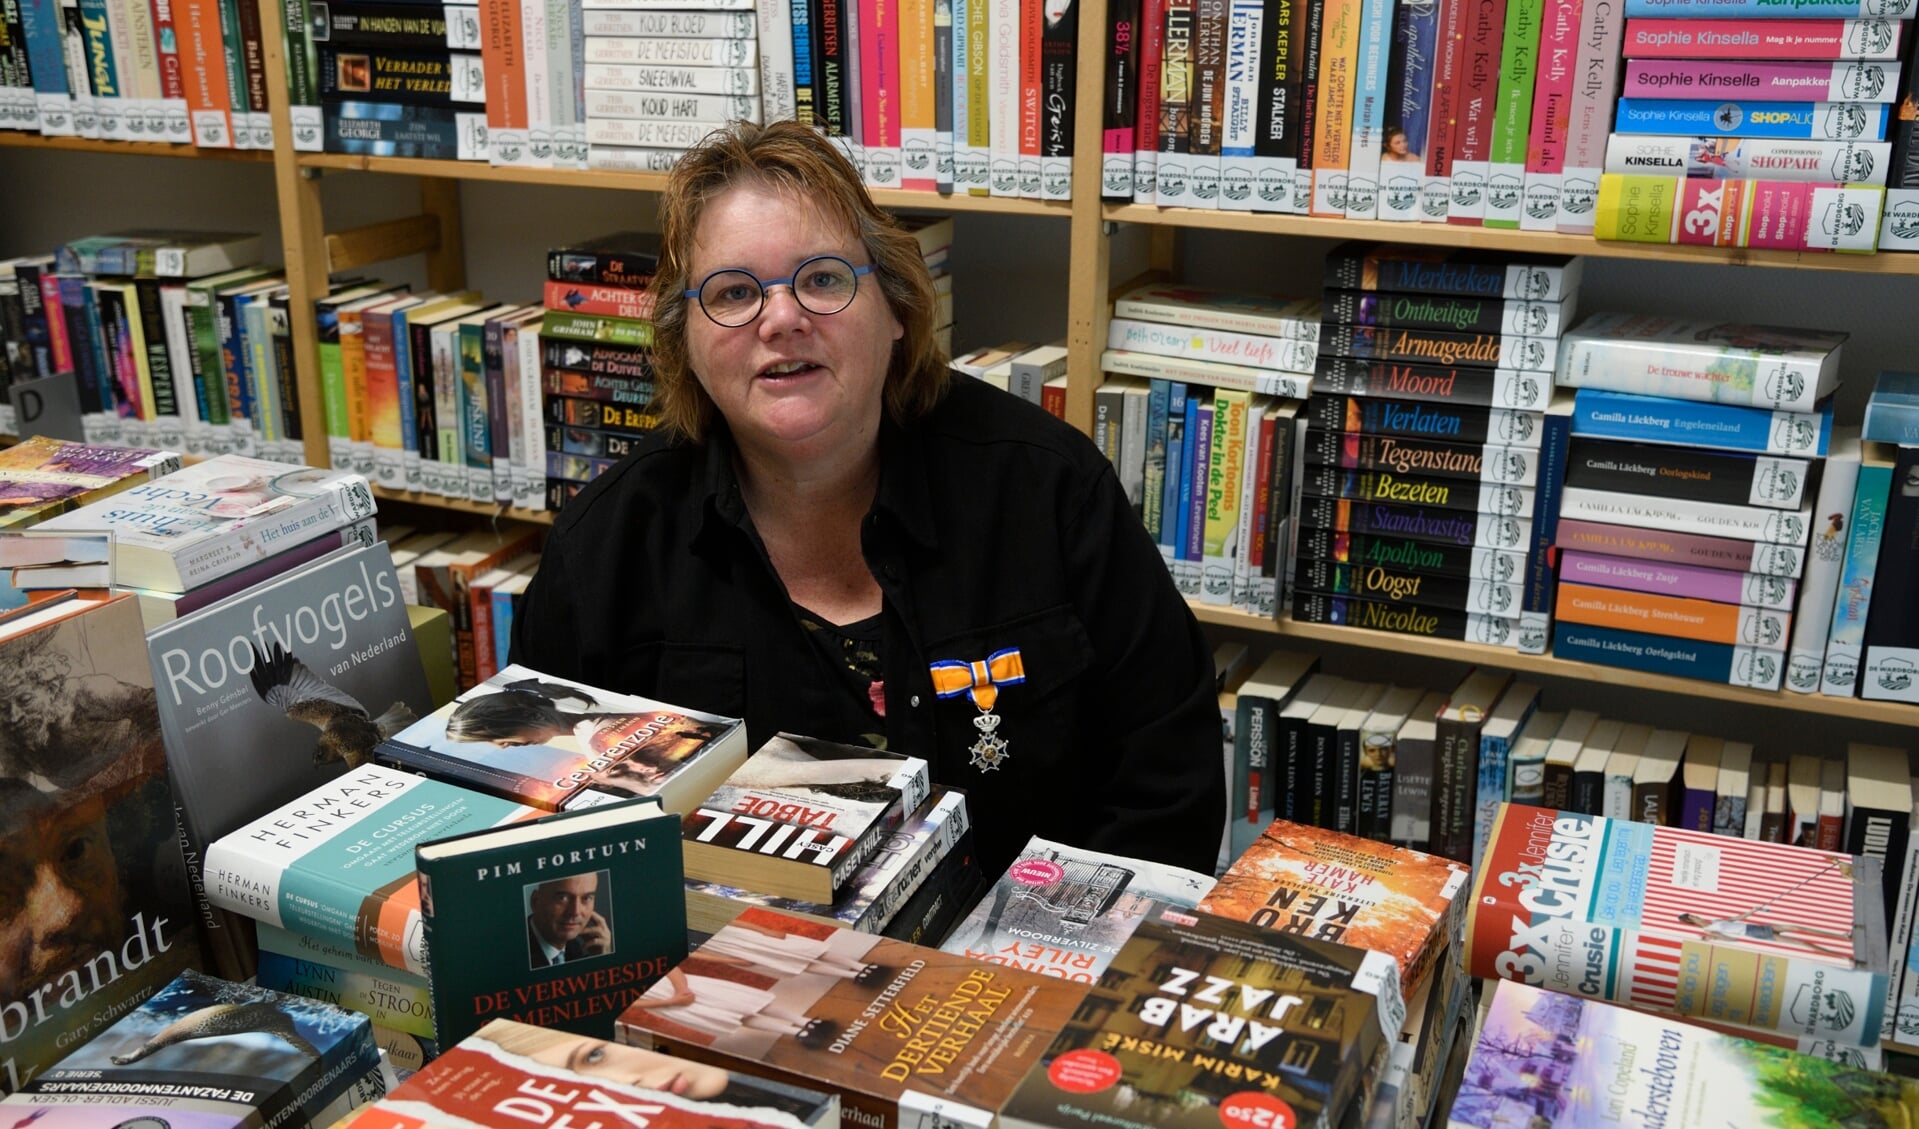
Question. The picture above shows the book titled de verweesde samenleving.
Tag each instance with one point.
(558, 921)
(558, 744)
(1542, 1058)
(1756, 935)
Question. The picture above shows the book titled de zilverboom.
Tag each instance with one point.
(1760, 936)
(207, 520)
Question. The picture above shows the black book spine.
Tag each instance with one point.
(16, 356)
(153, 331)
(1315, 807)
(589, 441)
(1425, 311)
(1433, 384)
(602, 268)
(83, 342)
(1412, 589)
(1346, 781)
(571, 412)
(1303, 112)
(1209, 99)
(1586, 792)
(381, 24)
(1418, 490)
(426, 431)
(1290, 743)
(1058, 47)
(829, 67)
(559, 492)
(1429, 623)
(1903, 170)
(1513, 466)
(1455, 784)
(113, 330)
(1891, 643)
(598, 358)
(1405, 553)
(285, 374)
(1686, 473)
(586, 386)
(1285, 443)
(1542, 560)
(1119, 113)
(1419, 523)
(493, 368)
(1278, 36)
(415, 78)
(1436, 346)
(33, 310)
(1375, 820)
(1450, 423)
(1359, 265)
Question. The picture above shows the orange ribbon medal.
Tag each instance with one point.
(980, 682)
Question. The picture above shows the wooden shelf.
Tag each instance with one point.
(1496, 239)
(461, 505)
(656, 181)
(1852, 709)
(12, 140)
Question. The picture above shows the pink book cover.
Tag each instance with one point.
(1552, 115)
(1145, 142)
(1681, 548)
(58, 341)
(1763, 39)
(1594, 89)
(1761, 80)
(1716, 584)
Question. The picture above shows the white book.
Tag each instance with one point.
(1901, 1022)
(539, 95)
(673, 80)
(658, 106)
(645, 133)
(1290, 385)
(708, 52)
(1030, 371)
(775, 60)
(1002, 70)
(529, 470)
(603, 19)
(624, 158)
(563, 35)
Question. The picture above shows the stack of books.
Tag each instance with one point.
(595, 361)
(47, 477)
(1758, 131)
(389, 80)
(1680, 559)
(1197, 419)
(1435, 442)
(649, 98)
(935, 235)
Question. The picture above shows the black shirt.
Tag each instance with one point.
(996, 527)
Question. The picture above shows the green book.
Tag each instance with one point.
(1513, 113)
(561, 922)
(591, 327)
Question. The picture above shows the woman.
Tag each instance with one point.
(528, 712)
(834, 538)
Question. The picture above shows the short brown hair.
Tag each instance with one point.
(792, 158)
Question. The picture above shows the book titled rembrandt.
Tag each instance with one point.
(1756, 935)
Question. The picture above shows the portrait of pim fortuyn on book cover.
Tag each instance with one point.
(94, 910)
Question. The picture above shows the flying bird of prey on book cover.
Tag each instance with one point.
(348, 731)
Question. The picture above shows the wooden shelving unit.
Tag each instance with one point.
(12, 140)
(460, 505)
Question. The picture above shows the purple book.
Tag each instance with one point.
(1847, 80)
(351, 537)
(1681, 548)
(1665, 578)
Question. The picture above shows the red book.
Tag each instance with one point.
(605, 301)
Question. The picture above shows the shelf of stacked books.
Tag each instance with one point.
(14, 140)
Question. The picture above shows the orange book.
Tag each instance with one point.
(204, 72)
(918, 135)
(504, 66)
(1032, 30)
(1358, 892)
(1333, 128)
(1704, 620)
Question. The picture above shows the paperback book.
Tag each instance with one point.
(44, 477)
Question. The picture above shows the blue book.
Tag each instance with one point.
(403, 377)
(1687, 117)
(802, 19)
(1199, 460)
(1845, 639)
(233, 352)
(1892, 414)
(1666, 654)
(1772, 9)
(1536, 603)
(1369, 108)
(1409, 90)
(46, 60)
(1158, 397)
(1170, 509)
(1496, 738)
(1183, 514)
(1600, 414)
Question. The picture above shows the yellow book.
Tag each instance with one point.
(978, 105)
(1332, 131)
(1231, 411)
(136, 346)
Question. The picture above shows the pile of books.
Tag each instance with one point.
(1427, 501)
(594, 360)
(650, 96)
(1758, 131)
(392, 79)
(1682, 559)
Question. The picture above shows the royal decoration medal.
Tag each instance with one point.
(980, 681)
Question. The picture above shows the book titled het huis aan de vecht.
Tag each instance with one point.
(1765, 937)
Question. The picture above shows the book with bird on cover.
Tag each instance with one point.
(277, 690)
(205, 1053)
(93, 895)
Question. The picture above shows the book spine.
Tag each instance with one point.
(1152, 52)
(1826, 558)
(1268, 382)
(1509, 466)
(1209, 96)
(1393, 586)
(1057, 49)
(1238, 118)
(253, 66)
(1211, 345)
(949, 47)
(1123, 99)
(1704, 621)
(1681, 548)
(661, 106)
(503, 63)
(384, 1000)
(1762, 39)
(1900, 976)
(1202, 437)
(1435, 187)
(1311, 46)
(1426, 557)
(1536, 605)
(1713, 584)
(1275, 91)
(1682, 473)
(1822, 121)
(1594, 89)
(436, 78)
(1458, 315)
(1477, 111)
(1501, 427)
(1600, 414)
(1751, 523)
(46, 59)
(1513, 110)
(1386, 267)
(1546, 150)
(1302, 325)
(1887, 670)
(1417, 490)
(1437, 347)
(1332, 130)
(1173, 143)
(1432, 384)
(1415, 52)
(1456, 750)
(1371, 64)
(1695, 372)
(202, 50)
(1418, 523)
(1430, 623)
(1847, 81)
(1762, 9)
(1720, 158)
(1661, 654)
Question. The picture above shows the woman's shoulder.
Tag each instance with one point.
(974, 415)
(658, 473)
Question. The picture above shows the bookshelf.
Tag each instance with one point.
(12, 140)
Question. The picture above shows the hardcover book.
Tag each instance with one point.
(1543, 1058)
(800, 816)
(509, 1074)
(97, 903)
(281, 669)
(1065, 911)
(216, 517)
(557, 744)
(1762, 935)
(1202, 1021)
(1745, 365)
(903, 1034)
(559, 921)
(338, 861)
(1333, 887)
(207, 1052)
(42, 477)
(1413, 269)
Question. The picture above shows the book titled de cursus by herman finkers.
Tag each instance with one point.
(93, 892)
(907, 1036)
(216, 517)
(510, 1075)
(558, 921)
(1201, 1021)
(211, 1054)
(1761, 936)
(558, 744)
(1066, 911)
(1545, 1059)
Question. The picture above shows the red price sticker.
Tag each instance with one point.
(1251, 1109)
(1036, 872)
(1084, 1071)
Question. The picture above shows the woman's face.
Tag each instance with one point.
(1396, 142)
(790, 382)
(635, 1067)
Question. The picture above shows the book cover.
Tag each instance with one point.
(1335, 887)
(1413, 766)
(1202, 1021)
(513, 1074)
(1763, 39)
(1412, 269)
(1744, 365)
(1559, 1060)
(218, 516)
(97, 906)
(559, 921)
(900, 1032)
(42, 477)
(800, 816)
(338, 861)
(557, 744)
(1664, 919)
(208, 1052)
